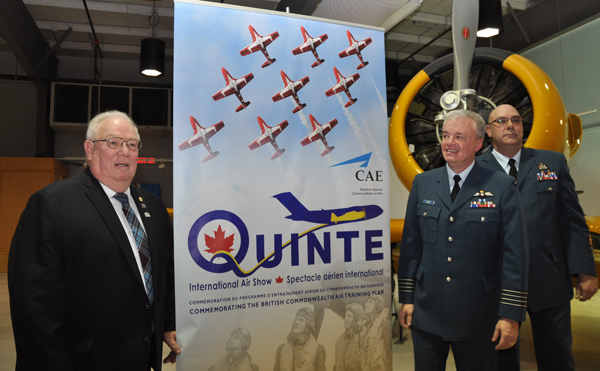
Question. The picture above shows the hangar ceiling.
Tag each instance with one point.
(416, 31)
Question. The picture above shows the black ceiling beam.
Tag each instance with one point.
(22, 36)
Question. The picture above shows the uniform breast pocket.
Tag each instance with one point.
(428, 221)
(482, 226)
(547, 192)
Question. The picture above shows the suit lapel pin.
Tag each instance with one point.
(482, 202)
(541, 166)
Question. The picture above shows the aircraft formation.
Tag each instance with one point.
(291, 88)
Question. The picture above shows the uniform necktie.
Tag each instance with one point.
(456, 187)
(141, 241)
(513, 169)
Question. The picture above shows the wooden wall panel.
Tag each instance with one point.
(20, 177)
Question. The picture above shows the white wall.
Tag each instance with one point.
(572, 62)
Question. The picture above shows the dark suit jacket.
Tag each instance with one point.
(76, 295)
(463, 267)
(559, 245)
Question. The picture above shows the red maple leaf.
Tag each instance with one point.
(219, 242)
(279, 279)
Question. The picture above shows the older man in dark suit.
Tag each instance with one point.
(462, 274)
(90, 270)
(558, 239)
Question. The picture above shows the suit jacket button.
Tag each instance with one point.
(549, 188)
(483, 218)
(450, 238)
(448, 279)
(146, 339)
(425, 213)
(451, 218)
(449, 260)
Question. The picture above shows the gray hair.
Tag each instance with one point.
(92, 129)
(478, 121)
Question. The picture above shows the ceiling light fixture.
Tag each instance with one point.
(490, 18)
(152, 53)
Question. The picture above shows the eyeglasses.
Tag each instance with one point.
(501, 121)
(116, 143)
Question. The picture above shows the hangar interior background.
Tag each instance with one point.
(44, 42)
(561, 36)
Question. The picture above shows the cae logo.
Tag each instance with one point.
(361, 177)
(377, 176)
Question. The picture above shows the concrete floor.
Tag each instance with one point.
(585, 322)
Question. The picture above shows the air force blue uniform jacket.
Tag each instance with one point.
(464, 264)
(559, 244)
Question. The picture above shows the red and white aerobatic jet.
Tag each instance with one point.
(268, 136)
(319, 132)
(310, 44)
(202, 135)
(355, 48)
(233, 86)
(291, 90)
(343, 83)
(260, 43)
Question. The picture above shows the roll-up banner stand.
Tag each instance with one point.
(281, 193)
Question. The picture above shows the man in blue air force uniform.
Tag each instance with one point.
(462, 274)
(558, 239)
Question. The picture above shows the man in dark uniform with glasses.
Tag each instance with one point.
(559, 246)
(462, 272)
(90, 269)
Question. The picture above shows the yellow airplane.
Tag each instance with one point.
(479, 80)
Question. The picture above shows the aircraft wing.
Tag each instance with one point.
(226, 91)
(260, 141)
(185, 145)
(346, 52)
(248, 50)
(269, 39)
(337, 88)
(283, 93)
(301, 49)
(351, 80)
(302, 82)
(241, 82)
(254, 145)
(328, 126)
(191, 142)
(212, 130)
(279, 128)
(310, 138)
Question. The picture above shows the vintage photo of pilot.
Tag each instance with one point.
(301, 351)
(237, 357)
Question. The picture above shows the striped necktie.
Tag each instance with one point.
(141, 241)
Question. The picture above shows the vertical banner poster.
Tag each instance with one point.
(281, 194)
